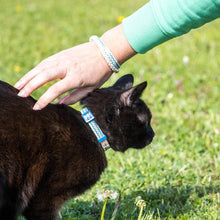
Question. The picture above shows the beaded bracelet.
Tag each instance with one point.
(110, 59)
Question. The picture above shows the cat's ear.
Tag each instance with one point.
(131, 95)
(124, 83)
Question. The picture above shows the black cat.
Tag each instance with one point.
(49, 156)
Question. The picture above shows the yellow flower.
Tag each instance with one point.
(207, 141)
(197, 35)
(214, 197)
(18, 8)
(120, 18)
(17, 69)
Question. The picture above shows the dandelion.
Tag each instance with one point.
(141, 204)
(120, 18)
(104, 196)
(18, 8)
(17, 69)
(107, 194)
(185, 60)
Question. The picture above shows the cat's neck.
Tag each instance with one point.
(89, 118)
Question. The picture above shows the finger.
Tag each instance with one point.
(26, 78)
(75, 96)
(52, 93)
(41, 67)
(39, 80)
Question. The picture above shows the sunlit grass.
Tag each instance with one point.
(178, 175)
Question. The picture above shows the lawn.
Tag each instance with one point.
(178, 175)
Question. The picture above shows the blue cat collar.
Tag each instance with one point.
(90, 120)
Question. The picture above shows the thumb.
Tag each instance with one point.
(75, 96)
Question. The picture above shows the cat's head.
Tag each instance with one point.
(121, 114)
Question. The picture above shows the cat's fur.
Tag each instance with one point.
(49, 156)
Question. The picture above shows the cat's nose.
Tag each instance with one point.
(149, 135)
(150, 131)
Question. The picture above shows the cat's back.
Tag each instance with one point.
(6, 88)
(10, 100)
(20, 123)
(56, 128)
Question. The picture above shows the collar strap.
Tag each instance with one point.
(90, 119)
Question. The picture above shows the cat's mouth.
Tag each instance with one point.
(149, 137)
(146, 143)
(149, 141)
(137, 143)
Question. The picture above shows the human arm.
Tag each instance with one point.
(83, 68)
(159, 21)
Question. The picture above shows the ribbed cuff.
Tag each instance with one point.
(142, 31)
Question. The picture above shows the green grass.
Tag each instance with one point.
(178, 176)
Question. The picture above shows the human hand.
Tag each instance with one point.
(82, 68)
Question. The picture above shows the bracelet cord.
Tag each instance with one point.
(109, 57)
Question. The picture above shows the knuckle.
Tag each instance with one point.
(55, 90)
(81, 82)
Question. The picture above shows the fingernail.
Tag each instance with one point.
(36, 107)
(22, 93)
(18, 85)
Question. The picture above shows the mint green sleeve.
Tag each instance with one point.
(161, 20)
